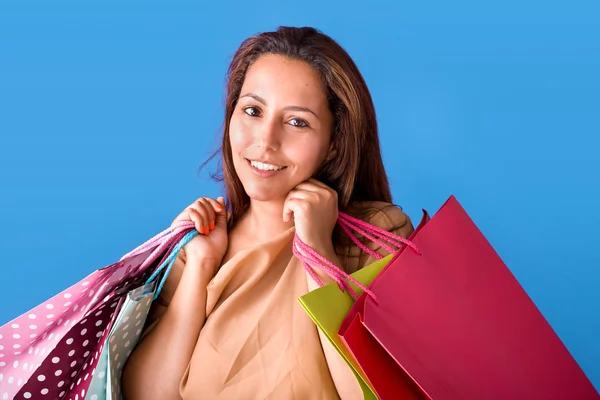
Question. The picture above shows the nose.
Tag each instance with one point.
(267, 135)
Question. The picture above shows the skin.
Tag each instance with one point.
(282, 118)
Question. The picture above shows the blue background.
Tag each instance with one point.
(107, 109)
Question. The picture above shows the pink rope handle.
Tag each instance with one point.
(310, 256)
(377, 235)
(347, 226)
(346, 229)
(161, 237)
(165, 244)
(369, 234)
(375, 231)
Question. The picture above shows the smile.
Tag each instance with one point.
(265, 170)
(265, 167)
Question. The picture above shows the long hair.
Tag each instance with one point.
(356, 172)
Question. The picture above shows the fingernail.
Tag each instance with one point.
(219, 207)
(201, 230)
(212, 225)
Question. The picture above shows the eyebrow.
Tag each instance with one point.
(290, 108)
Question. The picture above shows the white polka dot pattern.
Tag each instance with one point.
(80, 383)
(98, 385)
(44, 351)
(122, 339)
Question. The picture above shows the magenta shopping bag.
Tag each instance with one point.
(51, 351)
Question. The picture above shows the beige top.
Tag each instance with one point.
(257, 341)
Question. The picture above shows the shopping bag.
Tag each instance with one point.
(453, 318)
(50, 350)
(328, 305)
(126, 329)
(120, 342)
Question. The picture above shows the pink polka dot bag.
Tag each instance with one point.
(53, 351)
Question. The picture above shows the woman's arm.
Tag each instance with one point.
(345, 382)
(392, 219)
(156, 366)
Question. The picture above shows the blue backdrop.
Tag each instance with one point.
(108, 108)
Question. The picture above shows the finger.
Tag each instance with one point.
(323, 191)
(288, 212)
(184, 216)
(308, 186)
(318, 183)
(297, 193)
(319, 188)
(209, 209)
(293, 208)
(289, 207)
(222, 213)
(204, 208)
(305, 195)
(196, 217)
(217, 205)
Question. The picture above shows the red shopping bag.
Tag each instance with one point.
(51, 351)
(457, 323)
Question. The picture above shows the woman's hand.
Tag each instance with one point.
(210, 219)
(314, 207)
(156, 366)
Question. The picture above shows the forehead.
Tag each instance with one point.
(280, 79)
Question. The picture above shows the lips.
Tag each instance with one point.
(265, 166)
(264, 170)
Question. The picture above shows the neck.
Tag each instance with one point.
(265, 219)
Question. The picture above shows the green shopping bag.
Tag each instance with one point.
(327, 307)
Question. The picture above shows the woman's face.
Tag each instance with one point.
(281, 127)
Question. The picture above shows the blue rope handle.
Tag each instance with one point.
(170, 261)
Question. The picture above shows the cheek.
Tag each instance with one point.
(236, 136)
(308, 155)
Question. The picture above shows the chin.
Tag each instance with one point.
(265, 193)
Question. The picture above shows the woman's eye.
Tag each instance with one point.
(300, 123)
(252, 111)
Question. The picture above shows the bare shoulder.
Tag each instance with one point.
(387, 216)
(384, 215)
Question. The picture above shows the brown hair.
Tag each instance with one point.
(356, 172)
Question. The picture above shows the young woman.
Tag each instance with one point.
(300, 143)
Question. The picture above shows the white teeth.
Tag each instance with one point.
(265, 167)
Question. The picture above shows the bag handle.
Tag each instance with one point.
(308, 256)
(160, 238)
(170, 260)
(374, 233)
(350, 225)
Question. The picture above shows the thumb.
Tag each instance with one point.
(221, 216)
(288, 210)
